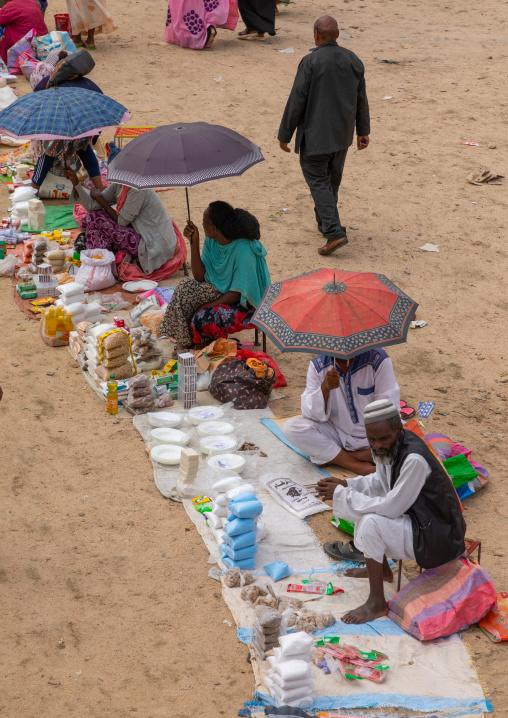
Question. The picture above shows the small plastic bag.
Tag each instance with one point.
(8, 265)
(110, 302)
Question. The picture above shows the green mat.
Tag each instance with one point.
(57, 218)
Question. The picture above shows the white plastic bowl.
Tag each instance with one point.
(215, 428)
(164, 419)
(200, 414)
(227, 462)
(170, 436)
(217, 444)
(166, 454)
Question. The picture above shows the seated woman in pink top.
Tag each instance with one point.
(19, 17)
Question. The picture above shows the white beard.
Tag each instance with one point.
(382, 460)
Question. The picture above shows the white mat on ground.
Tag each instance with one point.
(436, 676)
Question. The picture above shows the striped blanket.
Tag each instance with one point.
(444, 600)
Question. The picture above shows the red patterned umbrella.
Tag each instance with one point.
(334, 312)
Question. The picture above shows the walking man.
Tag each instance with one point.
(327, 100)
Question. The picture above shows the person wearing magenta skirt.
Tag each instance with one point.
(194, 23)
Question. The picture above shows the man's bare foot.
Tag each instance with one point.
(368, 612)
(363, 573)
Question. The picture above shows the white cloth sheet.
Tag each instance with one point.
(439, 669)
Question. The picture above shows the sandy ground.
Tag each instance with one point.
(106, 602)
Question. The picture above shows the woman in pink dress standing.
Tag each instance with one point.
(194, 23)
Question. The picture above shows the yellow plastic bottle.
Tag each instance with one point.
(112, 395)
(60, 322)
(68, 326)
(51, 322)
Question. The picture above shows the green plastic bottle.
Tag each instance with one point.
(112, 395)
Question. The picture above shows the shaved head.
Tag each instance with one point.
(326, 28)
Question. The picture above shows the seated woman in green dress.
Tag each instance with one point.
(230, 277)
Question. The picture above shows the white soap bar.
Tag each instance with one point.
(293, 670)
(96, 332)
(280, 658)
(231, 482)
(70, 288)
(244, 489)
(293, 643)
(215, 521)
(73, 299)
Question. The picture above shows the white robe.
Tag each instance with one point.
(322, 432)
(382, 527)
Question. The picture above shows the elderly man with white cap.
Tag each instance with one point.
(407, 509)
(331, 429)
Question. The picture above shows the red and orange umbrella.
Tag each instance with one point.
(334, 312)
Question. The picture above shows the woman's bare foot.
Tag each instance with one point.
(368, 612)
(363, 573)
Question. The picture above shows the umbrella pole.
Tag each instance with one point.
(188, 206)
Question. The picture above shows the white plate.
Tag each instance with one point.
(166, 454)
(215, 428)
(164, 419)
(142, 285)
(170, 436)
(199, 414)
(217, 444)
(227, 462)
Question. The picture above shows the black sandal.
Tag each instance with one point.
(344, 551)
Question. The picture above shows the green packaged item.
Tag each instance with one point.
(347, 526)
(164, 379)
(460, 470)
(26, 287)
(28, 295)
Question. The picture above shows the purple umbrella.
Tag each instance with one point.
(183, 155)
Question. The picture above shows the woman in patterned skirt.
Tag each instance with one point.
(230, 277)
(194, 23)
(128, 220)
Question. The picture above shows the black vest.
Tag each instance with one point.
(438, 525)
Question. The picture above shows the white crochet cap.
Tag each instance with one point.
(379, 411)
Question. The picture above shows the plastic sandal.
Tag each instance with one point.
(406, 412)
(344, 551)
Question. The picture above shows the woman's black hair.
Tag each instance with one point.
(233, 223)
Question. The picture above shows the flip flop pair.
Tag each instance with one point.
(344, 551)
(406, 412)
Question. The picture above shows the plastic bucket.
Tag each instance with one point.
(63, 23)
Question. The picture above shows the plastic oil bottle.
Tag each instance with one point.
(60, 328)
(68, 326)
(51, 321)
(112, 395)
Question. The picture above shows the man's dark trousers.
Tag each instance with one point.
(323, 174)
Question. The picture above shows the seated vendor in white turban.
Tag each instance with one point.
(407, 509)
(331, 429)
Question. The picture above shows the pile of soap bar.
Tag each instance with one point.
(234, 521)
(290, 679)
(189, 465)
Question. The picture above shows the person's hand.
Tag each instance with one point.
(71, 175)
(191, 232)
(362, 142)
(284, 146)
(331, 381)
(95, 193)
(326, 486)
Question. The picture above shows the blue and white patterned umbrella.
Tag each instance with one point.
(61, 113)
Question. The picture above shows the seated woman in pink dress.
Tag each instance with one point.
(194, 23)
(19, 17)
